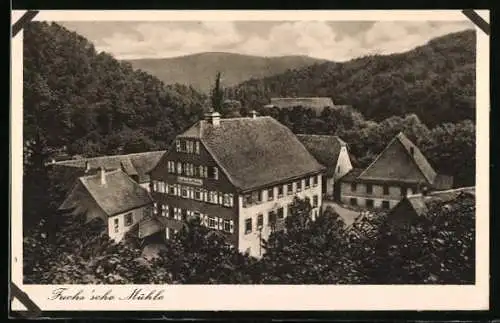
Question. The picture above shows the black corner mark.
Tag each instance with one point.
(25, 19)
(32, 309)
(477, 20)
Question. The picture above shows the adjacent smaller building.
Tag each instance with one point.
(399, 170)
(332, 152)
(413, 206)
(111, 196)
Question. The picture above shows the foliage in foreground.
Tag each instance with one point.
(435, 249)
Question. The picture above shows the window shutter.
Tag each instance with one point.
(231, 226)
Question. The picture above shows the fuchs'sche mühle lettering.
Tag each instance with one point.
(247, 152)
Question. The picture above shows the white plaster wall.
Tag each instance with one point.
(343, 163)
(252, 239)
(137, 215)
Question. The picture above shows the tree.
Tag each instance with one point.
(199, 255)
(217, 95)
(77, 252)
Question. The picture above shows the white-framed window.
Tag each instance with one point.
(164, 210)
(212, 222)
(280, 190)
(172, 189)
(184, 192)
(270, 194)
(178, 145)
(216, 173)
(315, 180)
(227, 226)
(128, 219)
(116, 225)
(179, 168)
(308, 182)
(161, 186)
(155, 208)
(197, 147)
(289, 189)
(248, 225)
(155, 185)
(227, 199)
(231, 200)
(260, 221)
(213, 197)
(198, 194)
(177, 214)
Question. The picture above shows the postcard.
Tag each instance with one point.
(249, 160)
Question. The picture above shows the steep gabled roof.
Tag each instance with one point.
(326, 149)
(138, 164)
(255, 152)
(400, 160)
(420, 202)
(118, 194)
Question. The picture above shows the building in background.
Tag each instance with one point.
(332, 152)
(317, 104)
(399, 170)
(111, 196)
(238, 175)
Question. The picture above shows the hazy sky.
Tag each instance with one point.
(337, 41)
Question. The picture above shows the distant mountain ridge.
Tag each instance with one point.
(198, 70)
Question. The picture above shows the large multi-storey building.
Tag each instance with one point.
(238, 175)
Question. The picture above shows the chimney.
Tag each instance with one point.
(213, 118)
(102, 173)
(87, 166)
(253, 113)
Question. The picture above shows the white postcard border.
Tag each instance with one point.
(266, 297)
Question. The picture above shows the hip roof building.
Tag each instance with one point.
(239, 175)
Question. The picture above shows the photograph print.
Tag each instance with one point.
(245, 152)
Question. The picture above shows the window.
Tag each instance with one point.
(353, 187)
(216, 173)
(299, 186)
(178, 145)
(189, 147)
(248, 226)
(260, 221)
(116, 223)
(164, 210)
(281, 213)
(228, 199)
(197, 147)
(403, 191)
(179, 168)
(177, 214)
(212, 197)
(272, 218)
(227, 226)
(308, 182)
(197, 194)
(369, 188)
(315, 201)
(161, 186)
(386, 205)
(315, 180)
(184, 214)
(172, 189)
(128, 219)
(289, 189)
(280, 191)
(369, 203)
(256, 197)
(386, 190)
(171, 212)
(354, 201)
(248, 199)
(270, 194)
(155, 208)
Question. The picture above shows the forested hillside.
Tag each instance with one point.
(435, 81)
(94, 104)
(198, 70)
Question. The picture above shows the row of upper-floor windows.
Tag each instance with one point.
(273, 217)
(187, 146)
(279, 191)
(189, 169)
(403, 190)
(194, 193)
(180, 214)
